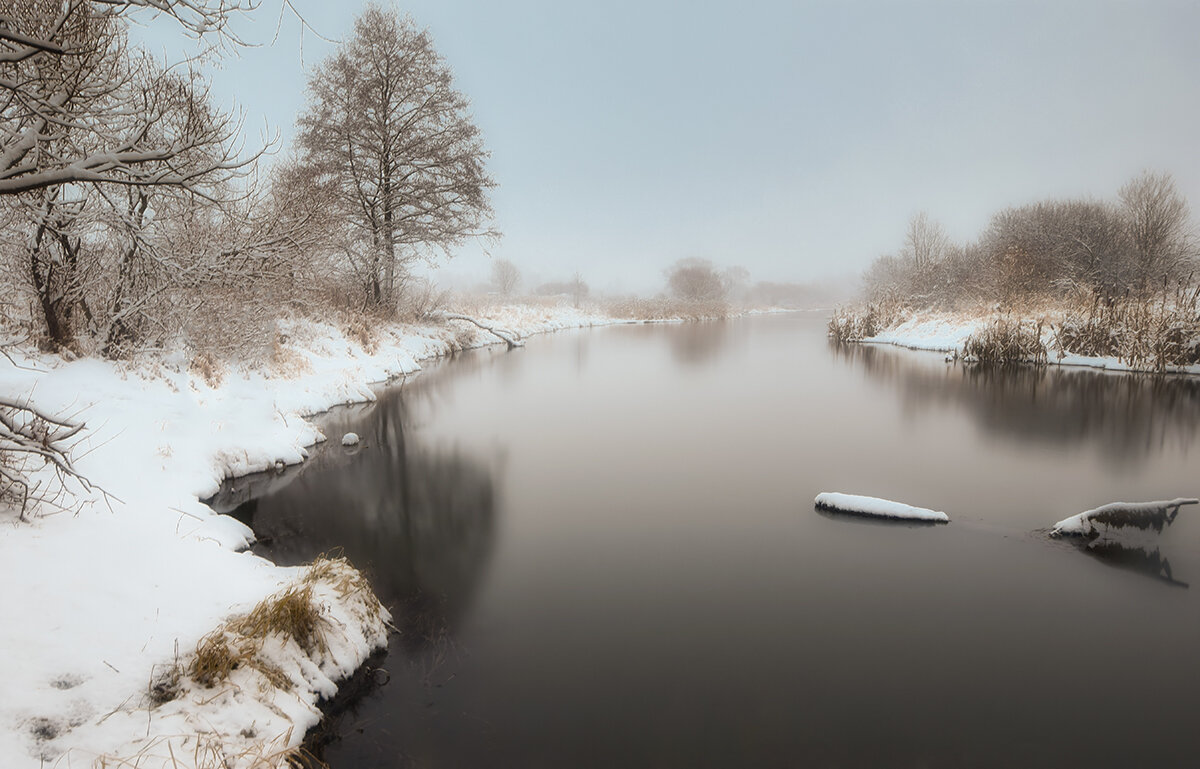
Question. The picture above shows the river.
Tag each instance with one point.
(601, 551)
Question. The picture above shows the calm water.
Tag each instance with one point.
(602, 552)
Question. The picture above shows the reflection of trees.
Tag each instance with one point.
(419, 520)
(698, 342)
(1130, 416)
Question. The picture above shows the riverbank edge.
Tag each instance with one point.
(251, 723)
(948, 332)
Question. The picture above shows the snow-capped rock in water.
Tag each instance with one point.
(879, 508)
(350, 439)
(1142, 515)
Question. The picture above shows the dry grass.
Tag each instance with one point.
(666, 309)
(1007, 340)
(1152, 334)
(207, 751)
(286, 361)
(857, 323)
(360, 329)
(208, 367)
(294, 614)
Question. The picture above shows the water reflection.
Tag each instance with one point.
(1128, 417)
(1128, 536)
(699, 342)
(1145, 559)
(419, 519)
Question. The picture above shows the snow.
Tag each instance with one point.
(350, 439)
(97, 602)
(1085, 524)
(941, 332)
(874, 506)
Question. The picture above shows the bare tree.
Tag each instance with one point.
(69, 108)
(187, 162)
(695, 280)
(403, 160)
(505, 276)
(1157, 220)
(33, 27)
(578, 288)
(925, 243)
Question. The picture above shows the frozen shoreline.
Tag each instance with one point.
(99, 603)
(948, 332)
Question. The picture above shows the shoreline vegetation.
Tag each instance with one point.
(1075, 282)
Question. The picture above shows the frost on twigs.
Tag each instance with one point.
(35, 461)
(877, 508)
(1122, 515)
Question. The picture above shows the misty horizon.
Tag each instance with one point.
(796, 140)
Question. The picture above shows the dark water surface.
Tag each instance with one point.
(601, 551)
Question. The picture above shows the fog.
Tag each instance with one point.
(794, 139)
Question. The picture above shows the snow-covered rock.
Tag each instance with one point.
(350, 439)
(876, 507)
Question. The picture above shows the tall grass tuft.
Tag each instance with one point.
(1007, 340)
(293, 614)
(855, 324)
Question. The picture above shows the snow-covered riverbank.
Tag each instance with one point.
(948, 332)
(99, 606)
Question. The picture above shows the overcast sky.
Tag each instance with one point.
(793, 138)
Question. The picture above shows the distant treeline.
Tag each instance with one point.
(1138, 246)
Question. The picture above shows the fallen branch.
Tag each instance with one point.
(1142, 515)
(508, 337)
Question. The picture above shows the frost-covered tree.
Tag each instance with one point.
(393, 144)
(68, 106)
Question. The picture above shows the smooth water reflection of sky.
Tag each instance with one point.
(595, 568)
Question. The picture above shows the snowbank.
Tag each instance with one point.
(881, 508)
(948, 332)
(98, 603)
(941, 332)
(1141, 515)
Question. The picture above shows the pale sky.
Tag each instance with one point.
(793, 138)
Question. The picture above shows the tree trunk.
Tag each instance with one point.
(389, 240)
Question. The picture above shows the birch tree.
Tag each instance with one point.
(396, 149)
